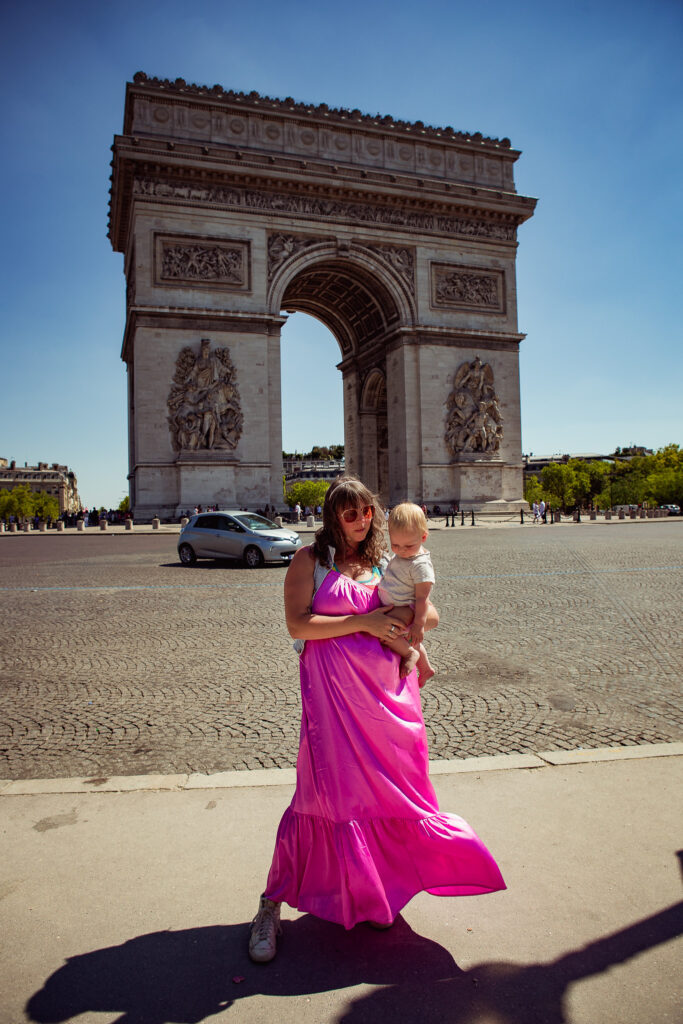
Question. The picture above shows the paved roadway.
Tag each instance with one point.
(117, 660)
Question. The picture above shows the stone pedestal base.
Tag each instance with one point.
(479, 484)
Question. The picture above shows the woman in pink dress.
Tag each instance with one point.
(363, 833)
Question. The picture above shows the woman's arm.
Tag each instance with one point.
(303, 624)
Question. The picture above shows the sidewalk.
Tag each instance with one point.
(129, 899)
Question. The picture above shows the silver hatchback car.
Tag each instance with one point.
(236, 534)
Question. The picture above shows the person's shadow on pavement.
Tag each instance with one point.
(184, 977)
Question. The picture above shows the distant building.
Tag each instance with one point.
(60, 481)
(298, 470)
(535, 464)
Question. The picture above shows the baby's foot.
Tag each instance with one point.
(408, 663)
(424, 675)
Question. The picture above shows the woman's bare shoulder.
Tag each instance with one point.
(302, 564)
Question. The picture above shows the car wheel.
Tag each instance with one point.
(186, 554)
(253, 558)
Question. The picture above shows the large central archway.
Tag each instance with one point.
(356, 298)
(233, 211)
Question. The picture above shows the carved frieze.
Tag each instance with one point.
(473, 420)
(467, 288)
(201, 261)
(204, 412)
(401, 259)
(283, 247)
(321, 208)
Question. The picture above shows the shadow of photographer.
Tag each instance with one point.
(184, 977)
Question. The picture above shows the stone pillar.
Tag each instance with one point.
(156, 523)
(183, 522)
(80, 525)
(278, 520)
(129, 524)
(42, 526)
(352, 446)
(310, 521)
(2, 527)
(12, 527)
(27, 527)
(104, 524)
(642, 513)
(594, 514)
(60, 526)
(608, 513)
(622, 514)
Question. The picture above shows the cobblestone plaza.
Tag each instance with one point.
(117, 660)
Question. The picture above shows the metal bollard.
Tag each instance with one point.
(521, 516)
(472, 517)
(462, 518)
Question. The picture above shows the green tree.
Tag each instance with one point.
(558, 481)
(533, 490)
(45, 505)
(665, 487)
(307, 492)
(124, 504)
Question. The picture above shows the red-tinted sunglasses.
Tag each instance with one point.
(349, 515)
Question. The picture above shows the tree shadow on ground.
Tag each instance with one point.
(184, 977)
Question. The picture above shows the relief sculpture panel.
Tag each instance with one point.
(202, 261)
(468, 288)
(473, 419)
(204, 402)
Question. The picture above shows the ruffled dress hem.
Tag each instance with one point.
(369, 869)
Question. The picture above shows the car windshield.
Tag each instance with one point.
(254, 522)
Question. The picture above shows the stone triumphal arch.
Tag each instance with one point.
(232, 211)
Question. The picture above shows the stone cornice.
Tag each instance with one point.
(269, 106)
(192, 179)
(194, 319)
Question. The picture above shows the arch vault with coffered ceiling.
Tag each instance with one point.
(234, 210)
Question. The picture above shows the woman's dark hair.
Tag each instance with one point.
(349, 492)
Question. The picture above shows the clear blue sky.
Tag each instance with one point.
(590, 92)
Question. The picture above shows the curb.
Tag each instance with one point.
(287, 776)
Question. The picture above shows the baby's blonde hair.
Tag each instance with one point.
(408, 516)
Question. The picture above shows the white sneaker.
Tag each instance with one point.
(265, 929)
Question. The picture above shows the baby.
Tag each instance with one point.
(406, 585)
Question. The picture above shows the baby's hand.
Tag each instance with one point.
(416, 635)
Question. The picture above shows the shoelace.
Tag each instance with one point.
(264, 918)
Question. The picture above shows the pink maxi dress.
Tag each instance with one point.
(363, 833)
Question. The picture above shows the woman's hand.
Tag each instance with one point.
(381, 623)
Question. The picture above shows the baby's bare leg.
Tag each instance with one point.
(409, 655)
(424, 668)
